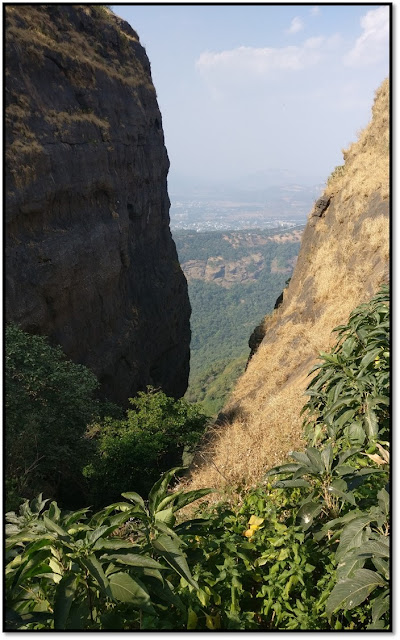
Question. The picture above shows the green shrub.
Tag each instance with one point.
(110, 570)
(49, 402)
(131, 453)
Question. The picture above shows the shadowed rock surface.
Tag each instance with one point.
(90, 260)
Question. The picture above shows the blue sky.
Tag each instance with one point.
(250, 89)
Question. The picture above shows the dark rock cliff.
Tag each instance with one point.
(90, 260)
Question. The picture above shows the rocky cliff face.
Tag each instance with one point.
(90, 260)
(344, 257)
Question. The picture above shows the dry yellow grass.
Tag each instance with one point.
(343, 260)
(81, 52)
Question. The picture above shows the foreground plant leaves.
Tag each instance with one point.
(354, 590)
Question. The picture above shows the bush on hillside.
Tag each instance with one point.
(131, 453)
(49, 402)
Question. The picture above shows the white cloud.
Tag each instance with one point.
(315, 11)
(296, 25)
(373, 44)
(249, 60)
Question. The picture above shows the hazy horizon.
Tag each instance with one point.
(258, 89)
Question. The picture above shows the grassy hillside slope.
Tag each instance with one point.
(343, 259)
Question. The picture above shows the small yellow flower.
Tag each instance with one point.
(256, 520)
(254, 523)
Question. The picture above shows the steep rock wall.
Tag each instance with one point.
(90, 260)
(343, 259)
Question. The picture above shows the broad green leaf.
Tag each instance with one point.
(348, 565)
(380, 605)
(71, 518)
(291, 483)
(348, 346)
(369, 357)
(36, 559)
(383, 500)
(113, 543)
(166, 516)
(342, 402)
(169, 550)
(171, 498)
(190, 496)
(38, 503)
(93, 536)
(347, 496)
(132, 496)
(382, 566)
(159, 489)
(353, 591)
(96, 571)
(308, 512)
(26, 535)
(327, 457)
(52, 526)
(39, 544)
(348, 453)
(192, 620)
(356, 433)
(164, 528)
(346, 416)
(132, 559)
(54, 512)
(124, 588)
(344, 470)
(63, 600)
(120, 518)
(376, 400)
(352, 535)
(370, 423)
(283, 468)
(301, 457)
(378, 548)
(167, 593)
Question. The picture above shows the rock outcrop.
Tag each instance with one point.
(343, 260)
(90, 260)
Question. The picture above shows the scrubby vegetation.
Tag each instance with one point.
(306, 549)
(63, 440)
(49, 403)
(156, 433)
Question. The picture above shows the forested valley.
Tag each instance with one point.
(234, 279)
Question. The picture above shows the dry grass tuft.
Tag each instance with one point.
(343, 260)
(84, 54)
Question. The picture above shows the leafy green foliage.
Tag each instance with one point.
(347, 496)
(67, 570)
(49, 402)
(349, 394)
(308, 552)
(134, 451)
